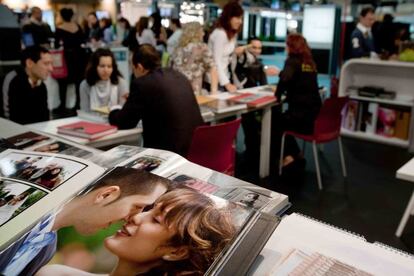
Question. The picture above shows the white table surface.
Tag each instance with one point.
(121, 136)
(406, 172)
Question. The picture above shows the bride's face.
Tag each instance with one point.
(142, 239)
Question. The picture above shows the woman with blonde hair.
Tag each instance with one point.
(182, 234)
(194, 59)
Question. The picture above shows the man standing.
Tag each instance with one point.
(24, 93)
(361, 38)
(164, 100)
(119, 195)
(40, 31)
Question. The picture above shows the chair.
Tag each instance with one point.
(327, 127)
(212, 146)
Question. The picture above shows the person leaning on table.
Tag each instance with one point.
(164, 100)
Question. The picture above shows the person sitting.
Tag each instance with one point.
(194, 59)
(25, 96)
(298, 81)
(164, 100)
(182, 235)
(104, 85)
(248, 71)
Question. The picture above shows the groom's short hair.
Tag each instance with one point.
(131, 181)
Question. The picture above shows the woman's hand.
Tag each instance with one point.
(230, 87)
(271, 70)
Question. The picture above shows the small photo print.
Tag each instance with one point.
(63, 148)
(16, 197)
(146, 163)
(197, 184)
(46, 171)
(248, 198)
(27, 139)
(115, 156)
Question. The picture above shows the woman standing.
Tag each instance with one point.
(222, 42)
(104, 85)
(193, 58)
(298, 82)
(71, 37)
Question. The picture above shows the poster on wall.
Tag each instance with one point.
(316, 30)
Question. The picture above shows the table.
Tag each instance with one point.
(121, 136)
(265, 125)
(406, 172)
(129, 135)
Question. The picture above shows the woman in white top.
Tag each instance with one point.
(222, 42)
(104, 85)
(144, 35)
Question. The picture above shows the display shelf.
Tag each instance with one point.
(392, 76)
(397, 101)
(375, 138)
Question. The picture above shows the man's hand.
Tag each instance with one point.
(230, 87)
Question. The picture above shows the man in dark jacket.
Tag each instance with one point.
(361, 38)
(164, 100)
(25, 94)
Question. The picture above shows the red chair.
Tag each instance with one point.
(327, 128)
(212, 146)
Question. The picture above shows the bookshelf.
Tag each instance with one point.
(391, 75)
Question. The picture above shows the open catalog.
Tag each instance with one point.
(154, 213)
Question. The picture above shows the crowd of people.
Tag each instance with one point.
(162, 97)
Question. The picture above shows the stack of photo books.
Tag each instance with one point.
(132, 192)
(87, 130)
(253, 100)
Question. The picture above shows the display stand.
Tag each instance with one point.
(391, 75)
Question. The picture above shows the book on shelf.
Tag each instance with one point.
(402, 124)
(368, 117)
(224, 105)
(386, 121)
(301, 242)
(349, 120)
(253, 100)
(43, 192)
(87, 130)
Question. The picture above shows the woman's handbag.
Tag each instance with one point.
(60, 69)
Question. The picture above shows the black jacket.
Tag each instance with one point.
(165, 102)
(299, 82)
(27, 104)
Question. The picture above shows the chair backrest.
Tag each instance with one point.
(212, 146)
(328, 123)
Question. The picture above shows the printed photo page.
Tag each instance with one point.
(138, 222)
(34, 183)
(180, 170)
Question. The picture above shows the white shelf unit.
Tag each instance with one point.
(391, 75)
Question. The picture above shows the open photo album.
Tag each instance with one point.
(155, 201)
(60, 201)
